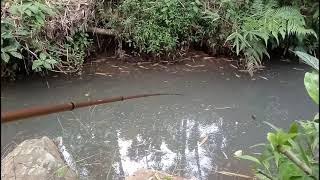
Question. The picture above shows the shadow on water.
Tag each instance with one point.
(194, 135)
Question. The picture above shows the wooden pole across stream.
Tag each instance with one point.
(43, 110)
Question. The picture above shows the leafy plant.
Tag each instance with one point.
(265, 23)
(160, 27)
(292, 154)
(23, 30)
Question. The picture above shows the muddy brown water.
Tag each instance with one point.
(194, 135)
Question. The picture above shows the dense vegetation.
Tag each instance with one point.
(53, 35)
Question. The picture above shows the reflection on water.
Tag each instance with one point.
(170, 143)
(194, 135)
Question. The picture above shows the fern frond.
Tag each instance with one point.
(257, 7)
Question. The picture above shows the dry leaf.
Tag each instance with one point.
(203, 140)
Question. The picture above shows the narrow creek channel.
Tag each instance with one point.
(163, 133)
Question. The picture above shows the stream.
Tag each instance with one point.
(195, 135)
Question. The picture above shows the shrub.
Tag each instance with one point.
(160, 27)
(32, 38)
(265, 23)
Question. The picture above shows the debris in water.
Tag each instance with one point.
(298, 69)
(114, 66)
(221, 108)
(234, 174)
(233, 66)
(86, 94)
(263, 77)
(162, 66)
(236, 122)
(285, 60)
(143, 67)
(225, 155)
(238, 153)
(203, 140)
(201, 65)
(238, 76)
(103, 74)
(205, 58)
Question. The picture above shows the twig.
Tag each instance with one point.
(296, 160)
(60, 123)
(234, 174)
(96, 30)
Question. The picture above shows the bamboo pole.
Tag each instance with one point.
(43, 110)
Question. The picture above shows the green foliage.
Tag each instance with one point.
(23, 27)
(292, 154)
(308, 59)
(264, 23)
(252, 28)
(311, 80)
(275, 163)
(162, 26)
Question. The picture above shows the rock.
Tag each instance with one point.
(35, 159)
(152, 175)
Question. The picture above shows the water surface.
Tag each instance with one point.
(193, 135)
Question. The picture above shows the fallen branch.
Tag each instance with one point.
(96, 30)
(234, 174)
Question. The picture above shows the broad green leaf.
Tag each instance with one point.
(272, 139)
(288, 171)
(293, 128)
(28, 12)
(5, 57)
(308, 59)
(16, 54)
(12, 47)
(283, 137)
(47, 65)
(311, 82)
(36, 64)
(34, 9)
(250, 158)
